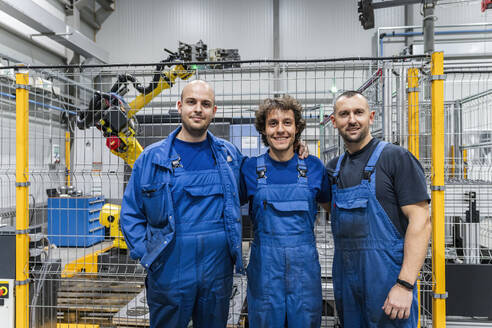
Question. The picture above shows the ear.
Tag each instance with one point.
(179, 105)
(215, 109)
(371, 116)
(333, 122)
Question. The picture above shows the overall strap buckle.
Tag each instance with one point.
(260, 172)
(302, 171)
(366, 175)
(176, 163)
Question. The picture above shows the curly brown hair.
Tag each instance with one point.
(285, 102)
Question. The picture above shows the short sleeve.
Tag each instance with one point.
(247, 181)
(410, 183)
(324, 195)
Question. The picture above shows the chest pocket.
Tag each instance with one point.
(286, 217)
(201, 202)
(351, 219)
(154, 201)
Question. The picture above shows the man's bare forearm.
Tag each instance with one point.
(416, 240)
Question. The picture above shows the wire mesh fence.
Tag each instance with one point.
(80, 162)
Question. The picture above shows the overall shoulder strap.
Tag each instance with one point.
(261, 169)
(371, 164)
(339, 163)
(302, 171)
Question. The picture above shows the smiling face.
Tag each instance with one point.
(197, 109)
(353, 119)
(280, 131)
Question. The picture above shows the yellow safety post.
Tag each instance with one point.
(67, 157)
(22, 194)
(413, 111)
(437, 192)
(465, 164)
(413, 132)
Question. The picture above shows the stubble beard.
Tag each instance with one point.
(193, 131)
(348, 139)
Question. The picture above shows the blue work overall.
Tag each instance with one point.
(193, 276)
(368, 253)
(284, 278)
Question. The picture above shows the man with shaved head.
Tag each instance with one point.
(180, 217)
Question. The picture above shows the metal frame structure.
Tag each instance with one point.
(241, 89)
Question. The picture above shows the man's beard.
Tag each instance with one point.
(195, 132)
(363, 134)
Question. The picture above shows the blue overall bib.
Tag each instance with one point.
(284, 278)
(193, 276)
(368, 253)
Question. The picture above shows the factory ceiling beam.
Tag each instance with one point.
(106, 4)
(94, 18)
(90, 18)
(44, 22)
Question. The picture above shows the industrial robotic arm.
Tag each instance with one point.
(111, 114)
(115, 118)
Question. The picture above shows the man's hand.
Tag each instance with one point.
(398, 303)
(302, 149)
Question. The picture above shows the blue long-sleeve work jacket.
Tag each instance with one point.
(147, 214)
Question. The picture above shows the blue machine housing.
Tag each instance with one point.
(74, 221)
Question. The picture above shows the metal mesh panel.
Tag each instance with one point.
(80, 269)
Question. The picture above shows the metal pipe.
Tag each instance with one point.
(437, 33)
(475, 96)
(458, 135)
(387, 100)
(437, 26)
(413, 111)
(400, 103)
(477, 145)
(21, 202)
(381, 36)
(402, 34)
(406, 27)
(3, 94)
(437, 192)
(241, 102)
(428, 22)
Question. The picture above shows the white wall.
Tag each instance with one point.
(138, 31)
(327, 29)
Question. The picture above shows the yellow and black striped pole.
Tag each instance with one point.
(22, 194)
(437, 191)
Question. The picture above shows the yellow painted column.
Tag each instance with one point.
(465, 164)
(413, 111)
(413, 132)
(22, 194)
(67, 157)
(437, 192)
